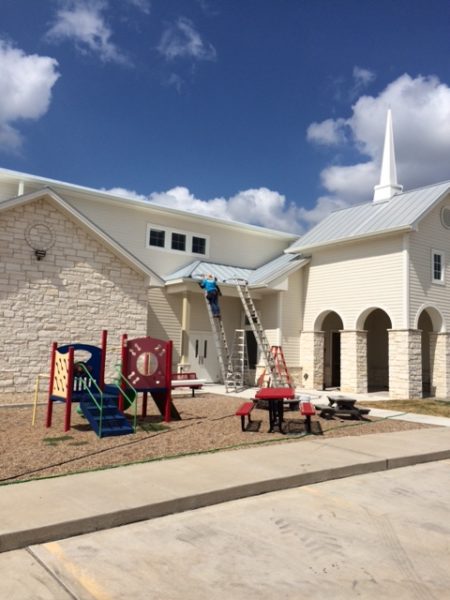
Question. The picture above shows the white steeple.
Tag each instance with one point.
(388, 185)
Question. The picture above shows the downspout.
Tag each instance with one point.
(185, 326)
(279, 318)
(406, 283)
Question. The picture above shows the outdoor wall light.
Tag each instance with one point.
(40, 238)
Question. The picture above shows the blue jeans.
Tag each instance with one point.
(213, 299)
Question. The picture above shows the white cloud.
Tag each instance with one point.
(362, 78)
(260, 206)
(421, 119)
(26, 83)
(182, 40)
(83, 22)
(143, 5)
(329, 132)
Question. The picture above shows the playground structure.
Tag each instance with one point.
(77, 374)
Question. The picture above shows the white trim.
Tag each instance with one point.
(428, 307)
(406, 282)
(100, 195)
(297, 249)
(168, 240)
(440, 253)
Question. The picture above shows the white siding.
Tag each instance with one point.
(351, 278)
(431, 235)
(128, 225)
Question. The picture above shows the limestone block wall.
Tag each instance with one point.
(77, 290)
(354, 361)
(405, 364)
(311, 358)
(440, 364)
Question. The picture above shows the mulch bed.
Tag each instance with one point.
(208, 423)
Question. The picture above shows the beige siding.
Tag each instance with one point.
(291, 318)
(164, 318)
(8, 190)
(351, 278)
(228, 244)
(431, 235)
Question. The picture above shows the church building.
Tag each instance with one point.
(360, 302)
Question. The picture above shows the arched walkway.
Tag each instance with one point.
(429, 322)
(331, 326)
(377, 323)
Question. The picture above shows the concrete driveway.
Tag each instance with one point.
(379, 535)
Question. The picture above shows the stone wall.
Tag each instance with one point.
(71, 295)
(405, 364)
(354, 361)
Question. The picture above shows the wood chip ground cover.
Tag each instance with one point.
(208, 423)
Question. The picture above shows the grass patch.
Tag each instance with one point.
(54, 441)
(436, 408)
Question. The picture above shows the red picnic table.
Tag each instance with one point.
(275, 397)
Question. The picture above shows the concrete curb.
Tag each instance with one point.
(47, 510)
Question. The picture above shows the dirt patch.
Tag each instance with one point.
(208, 423)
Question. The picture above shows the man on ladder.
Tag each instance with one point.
(209, 284)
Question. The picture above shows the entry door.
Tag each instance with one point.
(203, 356)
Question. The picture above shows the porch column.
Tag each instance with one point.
(183, 365)
(405, 364)
(354, 361)
(440, 364)
(312, 346)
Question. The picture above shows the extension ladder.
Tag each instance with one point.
(220, 341)
(237, 368)
(277, 378)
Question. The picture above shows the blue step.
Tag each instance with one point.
(113, 421)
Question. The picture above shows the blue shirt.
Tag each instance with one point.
(209, 285)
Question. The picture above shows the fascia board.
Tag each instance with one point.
(350, 240)
(104, 196)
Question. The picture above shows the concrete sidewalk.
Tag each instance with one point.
(50, 509)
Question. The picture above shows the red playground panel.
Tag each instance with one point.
(147, 365)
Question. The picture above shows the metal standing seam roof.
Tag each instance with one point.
(227, 274)
(402, 211)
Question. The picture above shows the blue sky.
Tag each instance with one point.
(270, 112)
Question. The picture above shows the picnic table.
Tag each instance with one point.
(275, 398)
(342, 406)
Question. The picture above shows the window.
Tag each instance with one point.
(198, 245)
(167, 239)
(437, 266)
(157, 238)
(178, 241)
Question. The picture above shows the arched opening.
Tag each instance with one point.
(426, 326)
(429, 320)
(377, 324)
(332, 325)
